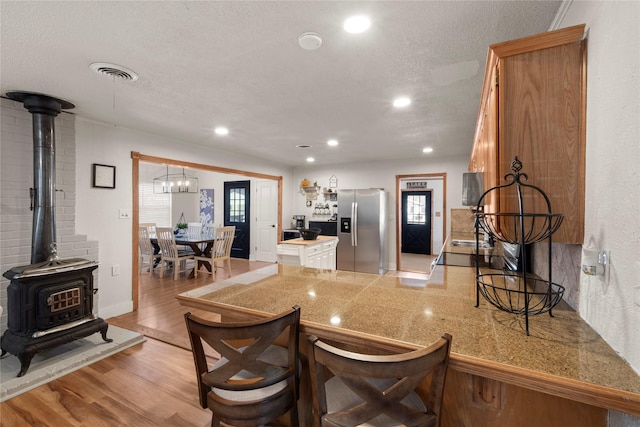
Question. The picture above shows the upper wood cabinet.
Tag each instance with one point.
(533, 106)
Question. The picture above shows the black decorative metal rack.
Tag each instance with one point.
(517, 292)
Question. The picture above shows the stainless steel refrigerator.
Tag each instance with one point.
(362, 231)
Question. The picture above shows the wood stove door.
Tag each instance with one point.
(62, 303)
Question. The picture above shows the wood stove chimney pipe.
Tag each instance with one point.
(44, 109)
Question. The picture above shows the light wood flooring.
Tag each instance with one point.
(151, 384)
(159, 314)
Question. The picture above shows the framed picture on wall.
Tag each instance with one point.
(104, 176)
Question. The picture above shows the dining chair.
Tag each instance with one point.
(209, 230)
(255, 381)
(221, 251)
(147, 252)
(194, 230)
(169, 252)
(355, 389)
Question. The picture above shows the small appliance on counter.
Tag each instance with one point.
(334, 215)
(290, 234)
(298, 222)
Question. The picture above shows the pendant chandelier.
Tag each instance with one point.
(175, 183)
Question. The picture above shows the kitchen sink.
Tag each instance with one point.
(470, 244)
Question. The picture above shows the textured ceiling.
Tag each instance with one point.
(238, 64)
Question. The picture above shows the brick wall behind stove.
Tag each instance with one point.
(16, 177)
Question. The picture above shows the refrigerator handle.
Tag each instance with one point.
(354, 231)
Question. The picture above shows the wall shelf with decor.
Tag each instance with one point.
(311, 192)
(330, 196)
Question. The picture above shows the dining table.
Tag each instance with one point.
(201, 246)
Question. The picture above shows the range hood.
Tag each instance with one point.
(472, 188)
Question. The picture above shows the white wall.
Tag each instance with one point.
(97, 209)
(383, 175)
(612, 216)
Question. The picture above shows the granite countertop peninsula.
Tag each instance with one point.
(561, 353)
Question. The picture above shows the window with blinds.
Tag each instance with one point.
(154, 207)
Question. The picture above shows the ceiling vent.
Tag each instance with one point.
(114, 71)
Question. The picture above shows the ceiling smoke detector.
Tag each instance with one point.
(310, 41)
(115, 71)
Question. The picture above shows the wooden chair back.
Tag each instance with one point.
(145, 230)
(209, 230)
(374, 390)
(221, 250)
(144, 240)
(244, 371)
(167, 243)
(169, 251)
(194, 230)
(151, 226)
(224, 241)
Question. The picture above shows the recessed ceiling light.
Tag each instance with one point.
(427, 150)
(332, 142)
(401, 102)
(357, 24)
(221, 131)
(310, 160)
(309, 41)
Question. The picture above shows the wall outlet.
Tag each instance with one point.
(636, 295)
(115, 270)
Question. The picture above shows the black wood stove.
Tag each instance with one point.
(50, 301)
(49, 304)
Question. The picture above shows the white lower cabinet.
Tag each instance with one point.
(319, 253)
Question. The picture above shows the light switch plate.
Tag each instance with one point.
(124, 214)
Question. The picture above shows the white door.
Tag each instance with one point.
(266, 220)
